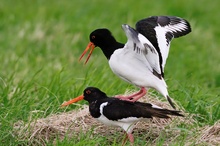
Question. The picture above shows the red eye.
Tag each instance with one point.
(88, 92)
(93, 37)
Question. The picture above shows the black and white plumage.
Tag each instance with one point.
(142, 59)
(116, 112)
(165, 28)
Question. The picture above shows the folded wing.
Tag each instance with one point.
(125, 110)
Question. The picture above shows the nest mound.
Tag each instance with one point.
(210, 134)
(71, 124)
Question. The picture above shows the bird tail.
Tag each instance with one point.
(162, 88)
(170, 102)
(164, 113)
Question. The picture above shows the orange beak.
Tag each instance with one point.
(90, 45)
(81, 97)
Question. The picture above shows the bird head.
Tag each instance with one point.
(99, 37)
(90, 94)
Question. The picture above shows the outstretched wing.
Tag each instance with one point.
(143, 50)
(160, 30)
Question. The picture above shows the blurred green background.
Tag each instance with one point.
(41, 41)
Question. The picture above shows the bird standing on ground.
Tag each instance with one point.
(142, 59)
(122, 113)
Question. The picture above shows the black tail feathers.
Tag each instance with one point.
(170, 102)
(165, 113)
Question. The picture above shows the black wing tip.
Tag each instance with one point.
(160, 76)
(166, 20)
(186, 31)
(180, 114)
(176, 113)
(165, 113)
(177, 20)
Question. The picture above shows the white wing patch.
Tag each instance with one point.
(125, 123)
(155, 106)
(129, 120)
(102, 106)
(182, 26)
(163, 42)
(142, 49)
(151, 54)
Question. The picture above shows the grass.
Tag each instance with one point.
(41, 41)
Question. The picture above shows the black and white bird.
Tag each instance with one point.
(142, 59)
(122, 113)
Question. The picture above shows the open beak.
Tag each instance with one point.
(90, 45)
(81, 97)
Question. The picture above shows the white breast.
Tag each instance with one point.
(131, 67)
(135, 69)
(125, 123)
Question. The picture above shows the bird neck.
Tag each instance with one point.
(94, 106)
(108, 50)
(94, 109)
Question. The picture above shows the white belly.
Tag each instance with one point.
(130, 69)
(135, 70)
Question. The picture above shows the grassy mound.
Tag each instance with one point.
(79, 122)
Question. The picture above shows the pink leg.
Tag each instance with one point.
(130, 137)
(142, 92)
(134, 97)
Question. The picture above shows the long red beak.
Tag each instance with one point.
(81, 97)
(90, 45)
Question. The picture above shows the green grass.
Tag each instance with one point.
(41, 41)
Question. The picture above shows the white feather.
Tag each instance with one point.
(161, 38)
(162, 43)
(137, 68)
(125, 123)
(155, 106)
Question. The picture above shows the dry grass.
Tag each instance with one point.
(71, 124)
(210, 134)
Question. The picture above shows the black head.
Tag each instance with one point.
(92, 94)
(102, 38)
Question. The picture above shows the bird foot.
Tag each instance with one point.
(130, 137)
(133, 97)
(127, 98)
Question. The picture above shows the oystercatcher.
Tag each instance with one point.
(142, 59)
(122, 113)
